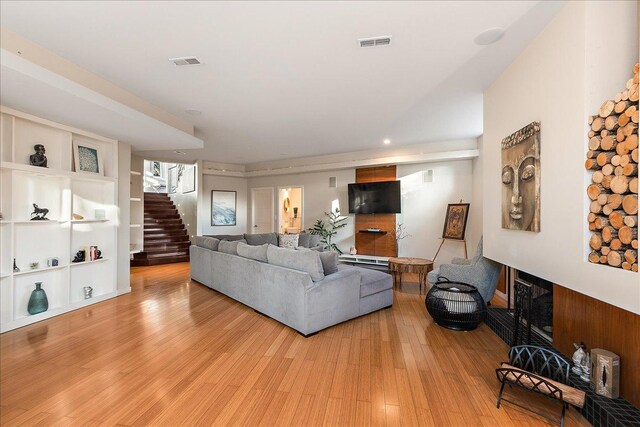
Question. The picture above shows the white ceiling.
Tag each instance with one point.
(287, 79)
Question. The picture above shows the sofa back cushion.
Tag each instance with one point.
(210, 243)
(230, 247)
(261, 239)
(228, 237)
(307, 261)
(288, 240)
(258, 253)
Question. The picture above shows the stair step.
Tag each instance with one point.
(165, 239)
(162, 227)
(158, 261)
(167, 233)
(165, 236)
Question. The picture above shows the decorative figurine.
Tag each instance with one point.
(88, 292)
(79, 257)
(586, 369)
(38, 301)
(98, 254)
(52, 262)
(578, 358)
(77, 216)
(34, 265)
(39, 214)
(15, 267)
(38, 158)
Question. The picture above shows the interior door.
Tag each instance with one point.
(262, 210)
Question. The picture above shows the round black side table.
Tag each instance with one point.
(455, 305)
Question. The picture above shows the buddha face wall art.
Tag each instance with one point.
(521, 179)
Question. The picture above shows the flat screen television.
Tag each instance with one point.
(374, 197)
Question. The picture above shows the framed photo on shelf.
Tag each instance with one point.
(455, 222)
(223, 207)
(87, 157)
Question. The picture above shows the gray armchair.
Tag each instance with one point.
(478, 271)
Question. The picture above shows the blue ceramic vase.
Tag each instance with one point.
(38, 301)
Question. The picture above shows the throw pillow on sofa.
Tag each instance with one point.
(210, 243)
(307, 261)
(230, 247)
(288, 241)
(329, 262)
(314, 240)
(303, 240)
(258, 253)
(261, 239)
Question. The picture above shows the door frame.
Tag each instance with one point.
(253, 208)
(284, 187)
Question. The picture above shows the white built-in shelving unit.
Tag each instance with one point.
(64, 192)
(136, 200)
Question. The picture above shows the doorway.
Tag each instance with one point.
(262, 210)
(290, 212)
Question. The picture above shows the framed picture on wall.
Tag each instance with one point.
(87, 157)
(223, 207)
(455, 222)
(189, 179)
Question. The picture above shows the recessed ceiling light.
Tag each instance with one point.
(489, 36)
(193, 112)
(386, 142)
(179, 152)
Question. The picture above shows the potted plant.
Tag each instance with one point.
(329, 229)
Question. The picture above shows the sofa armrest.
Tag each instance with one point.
(332, 300)
(461, 261)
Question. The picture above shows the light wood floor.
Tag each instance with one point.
(175, 352)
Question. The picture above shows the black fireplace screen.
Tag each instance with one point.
(533, 307)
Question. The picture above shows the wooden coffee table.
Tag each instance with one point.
(419, 266)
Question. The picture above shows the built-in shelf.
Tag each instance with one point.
(73, 264)
(135, 225)
(63, 192)
(136, 173)
(135, 199)
(27, 221)
(373, 232)
(58, 173)
(37, 270)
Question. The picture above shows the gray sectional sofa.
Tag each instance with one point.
(293, 286)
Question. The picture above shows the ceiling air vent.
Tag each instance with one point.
(375, 41)
(185, 60)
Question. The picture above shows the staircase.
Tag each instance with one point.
(165, 237)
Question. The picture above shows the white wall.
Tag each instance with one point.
(474, 227)
(124, 190)
(212, 182)
(583, 57)
(424, 206)
(318, 197)
(187, 204)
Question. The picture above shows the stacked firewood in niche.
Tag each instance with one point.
(613, 160)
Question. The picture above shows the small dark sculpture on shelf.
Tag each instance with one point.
(38, 213)
(79, 257)
(38, 158)
(98, 254)
(15, 267)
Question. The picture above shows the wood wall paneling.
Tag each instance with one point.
(369, 243)
(577, 317)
